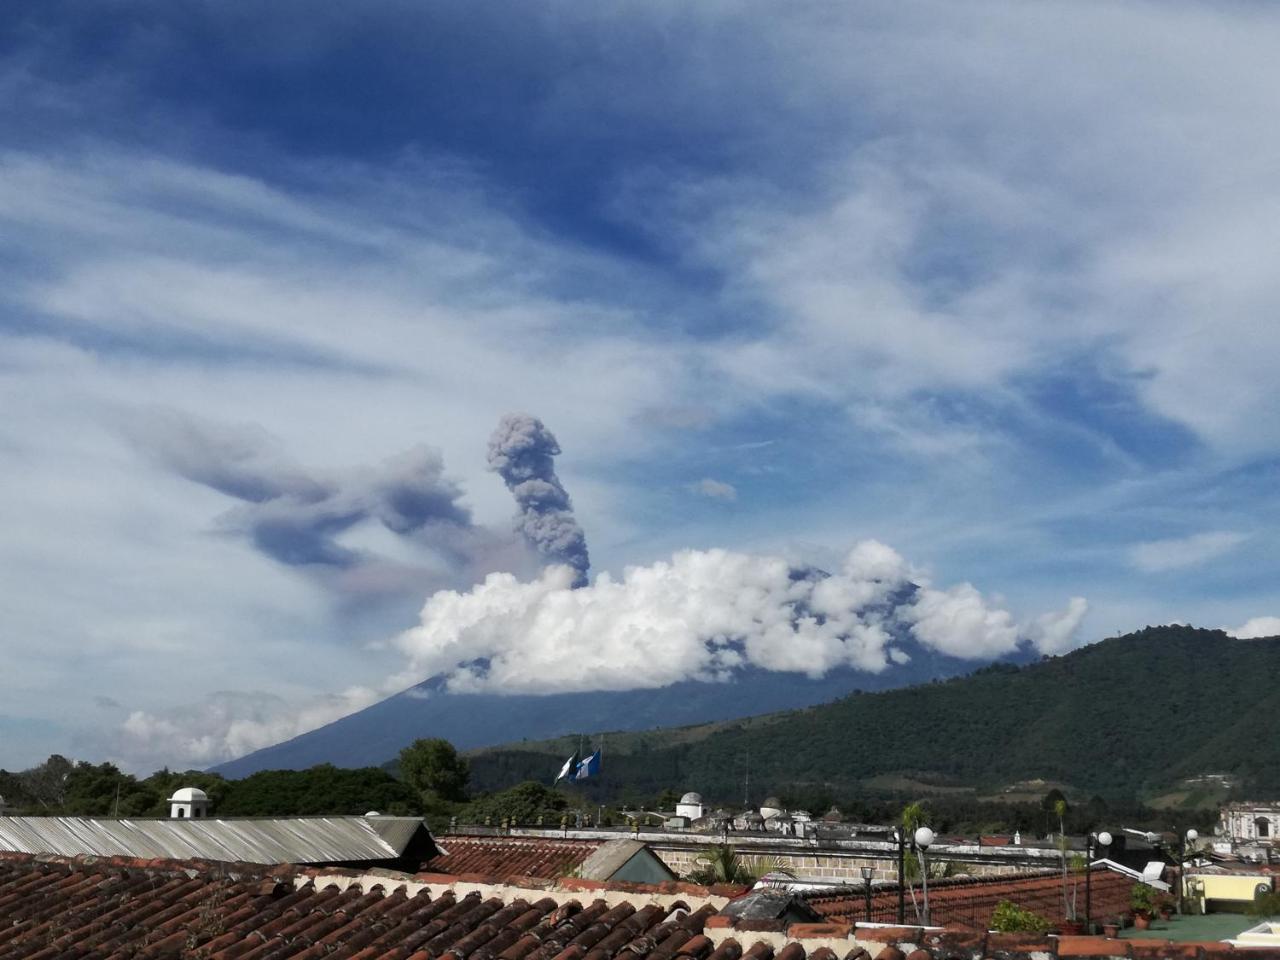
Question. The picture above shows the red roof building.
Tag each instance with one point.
(546, 859)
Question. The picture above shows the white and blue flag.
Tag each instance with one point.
(570, 768)
(589, 767)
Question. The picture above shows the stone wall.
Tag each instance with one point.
(830, 866)
(839, 861)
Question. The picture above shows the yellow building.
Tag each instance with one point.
(1213, 892)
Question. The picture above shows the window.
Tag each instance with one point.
(1263, 827)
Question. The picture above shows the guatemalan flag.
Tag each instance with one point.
(589, 767)
(570, 768)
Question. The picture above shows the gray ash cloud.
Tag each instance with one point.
(521, 451)
(292, 515)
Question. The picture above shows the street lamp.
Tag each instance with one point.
(1188, 839)
(922, 839)
(866, 883)
(1091, 843)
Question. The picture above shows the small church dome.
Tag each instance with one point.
(691, 797)
(189, 802)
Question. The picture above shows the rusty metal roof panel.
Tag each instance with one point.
(279, 840)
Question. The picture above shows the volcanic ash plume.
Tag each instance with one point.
(520, 452)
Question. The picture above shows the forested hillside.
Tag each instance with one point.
(1124, 717)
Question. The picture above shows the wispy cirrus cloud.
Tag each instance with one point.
(715, 489)
(1158, 556)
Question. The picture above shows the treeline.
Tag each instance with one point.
(430, 779)
(63, 787)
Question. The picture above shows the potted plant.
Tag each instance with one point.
(1010, 918)
(1164, 906)
(1111, 927)
(1143, 903)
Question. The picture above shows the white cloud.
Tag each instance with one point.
(716, 489)
(1055, 632)
(224, 725)
(1158, 556)
(1256, 628)
(700, 615)
(959, 621)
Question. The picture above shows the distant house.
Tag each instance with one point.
(546, 858)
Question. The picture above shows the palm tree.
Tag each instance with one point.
(912, 817)
(719, 863)
(1068, 905)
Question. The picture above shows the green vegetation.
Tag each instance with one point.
(1126, 718)
(434, 769)
(1142, 900)
(1265, 906)
(64, 787)
(1010, 918)
(525, 803)
(721, 863)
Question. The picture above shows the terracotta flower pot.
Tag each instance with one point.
(1070, 928)
(1110, 930)
(1141, 921)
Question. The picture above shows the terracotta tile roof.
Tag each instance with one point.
(56, 907)
(111, 909)
(511, 856)
(970, 901)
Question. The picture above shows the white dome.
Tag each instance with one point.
(189, 795)
(691, 798)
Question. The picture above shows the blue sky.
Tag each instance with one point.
(993, 283)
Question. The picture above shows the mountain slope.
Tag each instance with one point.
(377, 733)
(1128, 714)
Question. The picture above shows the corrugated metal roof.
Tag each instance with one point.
(282, 840)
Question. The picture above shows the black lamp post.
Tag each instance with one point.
(1091, 843)
(866, 884)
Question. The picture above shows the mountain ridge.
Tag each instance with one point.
(1126, 715)
(474, 720)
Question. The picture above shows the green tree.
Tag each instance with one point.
(912, 817)
(522, 804)
(434, 769)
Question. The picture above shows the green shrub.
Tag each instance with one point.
(1143, 899)
(1265, 905)
(1010, 918)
